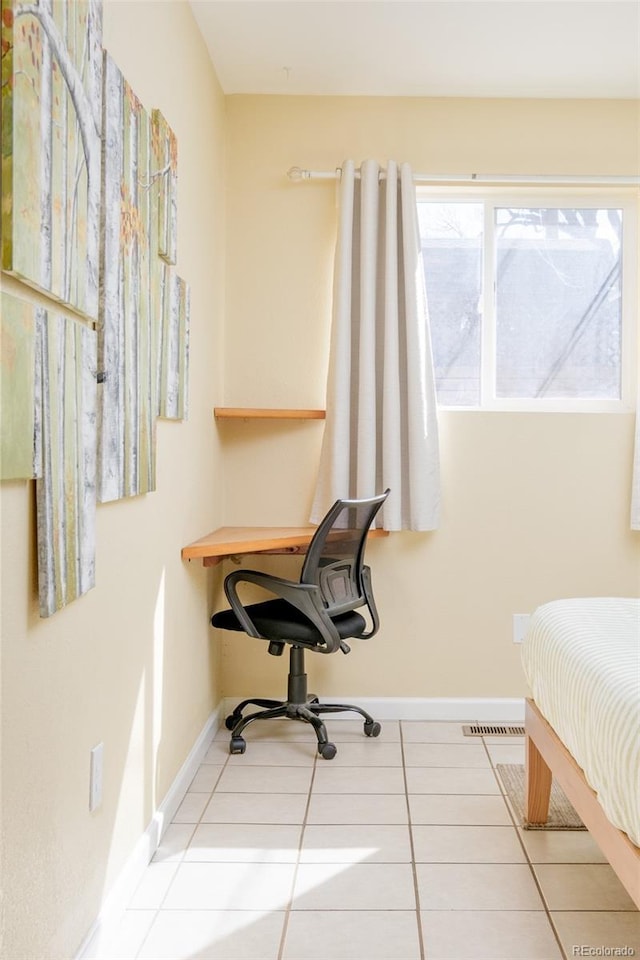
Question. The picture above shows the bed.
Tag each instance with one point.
(582, 662)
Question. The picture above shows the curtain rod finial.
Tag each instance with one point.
(296, 174)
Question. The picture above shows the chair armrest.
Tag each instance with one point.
(371, 604)
(305, 597)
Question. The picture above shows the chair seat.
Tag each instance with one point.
(279, 620)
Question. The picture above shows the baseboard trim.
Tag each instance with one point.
(462, 709)
(130, 876)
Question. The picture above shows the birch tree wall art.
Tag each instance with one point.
(165, 148)
(144, 308)
(51, 147)
(66, 492)
(89, 218)
(174, 347)
(129, 321)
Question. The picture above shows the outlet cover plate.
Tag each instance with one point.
(520, 626)
(95, 777)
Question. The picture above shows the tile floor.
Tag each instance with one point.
(400, 848)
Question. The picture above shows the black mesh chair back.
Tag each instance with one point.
(335, 558)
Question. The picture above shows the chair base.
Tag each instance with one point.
(299, 705)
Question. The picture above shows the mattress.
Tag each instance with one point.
(582, 662)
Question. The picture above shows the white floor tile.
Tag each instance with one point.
(214, 935)
(356, 843)
(270, 730)
(334, 779)
(231, 886)
(191, 808)
(468, 755)
(291, 753)
(504, 741)
(264, 779)
(175, 841)
(360, 886)
(561, 846)
(466, 844)
(582, 886)
(599, 929)
(431, 731)
(451, 809)
(357, 808)
(154, 886)
(367, 752)
(489, 935)
(255, 808)
(124, 941)
(342, 731)
(218, 752)
(451, 780)
(506, 752)
(352, 935)
(244, 843)
(205, 778)
(476, 886)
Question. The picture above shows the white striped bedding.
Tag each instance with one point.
(582, 662)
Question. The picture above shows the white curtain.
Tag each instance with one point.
(635, 483)
(381, 428)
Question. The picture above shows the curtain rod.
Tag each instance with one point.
(297, 174)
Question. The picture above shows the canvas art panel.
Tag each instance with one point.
(17, 388)
(51, 147)
(130, 298)
(174, 347)
(144, 306)
(166, 156)
(66, 492)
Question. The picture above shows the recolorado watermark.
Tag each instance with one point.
(584, 950)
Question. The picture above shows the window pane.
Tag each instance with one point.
(452, 238)
(558, 302)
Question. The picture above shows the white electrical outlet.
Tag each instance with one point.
(520, 626)
(95, 777)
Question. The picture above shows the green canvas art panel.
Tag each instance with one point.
(17, 388)
(51, 147)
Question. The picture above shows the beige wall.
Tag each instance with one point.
(534, 506)
(131, 664)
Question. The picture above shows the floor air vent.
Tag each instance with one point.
(492, 730)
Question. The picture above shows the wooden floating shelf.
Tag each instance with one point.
(261, 413)
(240, 541)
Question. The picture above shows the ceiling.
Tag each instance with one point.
(450, 48)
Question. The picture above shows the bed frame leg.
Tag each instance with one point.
(537, 785)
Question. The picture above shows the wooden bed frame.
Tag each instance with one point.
(547, 756)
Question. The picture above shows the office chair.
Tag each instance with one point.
(318, 613)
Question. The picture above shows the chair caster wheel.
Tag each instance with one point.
(372, 728)
(327, 750)
(231, 720)
(237, 745)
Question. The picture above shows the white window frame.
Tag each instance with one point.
(625, 199)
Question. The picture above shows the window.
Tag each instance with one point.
(531, 302)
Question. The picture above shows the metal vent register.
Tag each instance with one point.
(492, 730)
